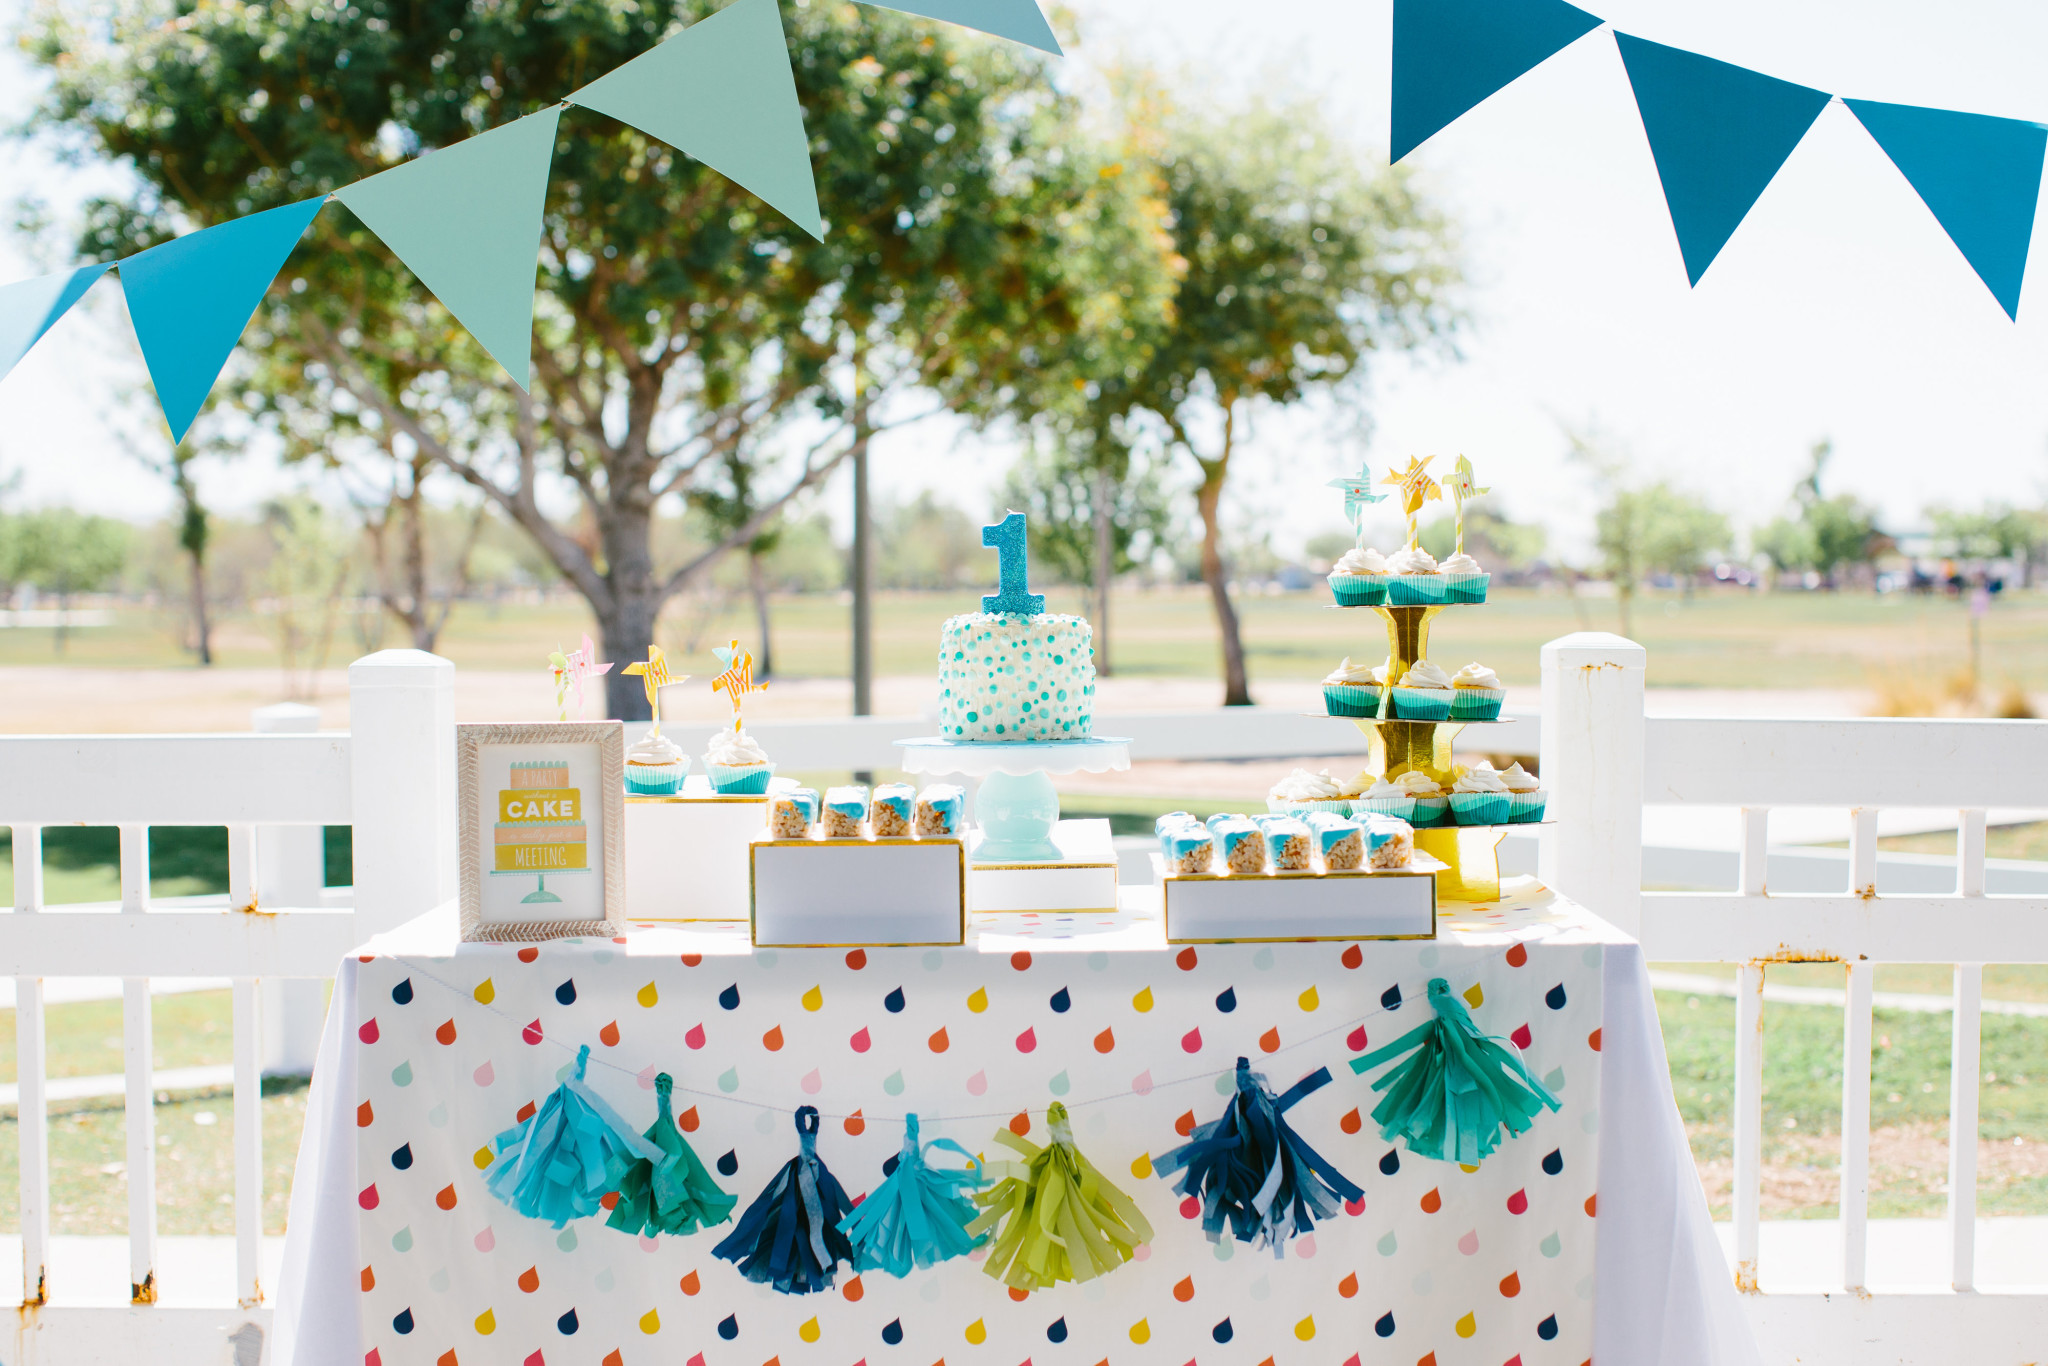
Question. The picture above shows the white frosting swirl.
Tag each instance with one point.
(1475, 676)
(1360, 560)
(1461, 563)
(1416, 783)
(1347, 672)
(1423, 674)
(1480, 778)
(1382, 790)
(1413, 560)
(1518, 779)
(1304, 786)
(654, 749)
(734, 748)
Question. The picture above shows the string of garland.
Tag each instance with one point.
(1054, 1217)
(564, 1158)
(789, 1238)
(919, 1215)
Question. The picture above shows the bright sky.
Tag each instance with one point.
(1839, 308)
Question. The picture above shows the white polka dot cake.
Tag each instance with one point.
(1009, 676)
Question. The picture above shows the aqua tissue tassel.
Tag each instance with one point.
(789, 1237)
(675, 1194)
(561, 1162)
(919, 1215)
(1450, 1098)
(1251, 1170)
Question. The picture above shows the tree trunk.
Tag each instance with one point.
(627, 629)
(1236, 690)
(1105, 569)
(1625, 597)
(418, 615)
(201, 623)
(758, 583)
(863, 568)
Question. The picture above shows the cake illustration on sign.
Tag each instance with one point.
(540, 826)
(1014, 672)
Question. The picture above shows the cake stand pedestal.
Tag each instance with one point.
(1016, 804)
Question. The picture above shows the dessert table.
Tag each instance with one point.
(1585, 1238)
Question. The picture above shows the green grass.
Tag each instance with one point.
(82, 863)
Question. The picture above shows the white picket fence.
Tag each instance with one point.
(1601, 759)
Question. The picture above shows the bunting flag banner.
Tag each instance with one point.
(722, 91)
(1451, 54)
(466, 219)
(1718, 133)
(190, 298)
(1021, 21)
(1980, 176)
(29, 308)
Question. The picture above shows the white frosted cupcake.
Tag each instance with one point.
(1413, 579)
(1525, 795)
(1432, 806)
(1464, 580)
(655, 767)
(1353, 689)
(1385, 799)
(1476, 694)
(1479, 797)
(736, 765)
(1424, 693)
(1359, 579)
(1302, 791)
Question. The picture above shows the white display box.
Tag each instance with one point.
(1210, 908)
(686, 855)
(1083, 878)
(864, 893)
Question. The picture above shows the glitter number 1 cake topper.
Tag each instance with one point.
(1013, 569)
(737, 680)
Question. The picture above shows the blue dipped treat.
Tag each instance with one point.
(1188, 848)
(1242, 844)
(1339, 840)
(1173, 818)
(941, 811)
(791, 814)
(846, 812)
(890, 812)
(1287, 839)
(1389, 840)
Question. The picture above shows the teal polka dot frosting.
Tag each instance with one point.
(1005, 676)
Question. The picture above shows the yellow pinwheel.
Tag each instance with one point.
(1462, 488)
(1416, 488)
(654, 676)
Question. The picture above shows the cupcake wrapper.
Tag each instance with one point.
(1359, 590)
(1336, 806)
(1431, 811)
(1480, 808)
(1526, 807)
(1476, 704)
(1351, 699)
(739, 780)
(1466, 587)
(1403, 807)
(656, 780)
(1415, 590)
(1423, 704)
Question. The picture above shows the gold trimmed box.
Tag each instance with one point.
(1082, 880)
(686, 852)
(857, 893)
(1290, 907)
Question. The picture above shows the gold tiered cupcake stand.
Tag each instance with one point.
(1469, 853)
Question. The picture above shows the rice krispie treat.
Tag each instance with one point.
(940, 809)
(1287, 839)
(791, 814)
(890, 814)
(1187, 847)
(846, 811)
(1242, 844)
(1339, 840)
(1390, 839)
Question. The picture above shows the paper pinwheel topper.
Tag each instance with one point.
(737, 680)
(570, 670)
(1358, 496)
(1416, 488)
(1463, 489)
(654, 675)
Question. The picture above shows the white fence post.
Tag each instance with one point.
(402, 762)
(1592, 765)
(291, 863)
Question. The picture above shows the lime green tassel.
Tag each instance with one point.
(1054, 1217)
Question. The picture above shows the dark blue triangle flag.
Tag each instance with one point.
(29, 308)
(1981, 177)
(1719, 133)
(1451, 54)
(189, 300)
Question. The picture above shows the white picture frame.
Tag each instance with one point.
(541, 800)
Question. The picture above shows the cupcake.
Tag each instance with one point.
(1476, 694)
(1413, 579)
(1479, 797)
(940, 809)
(1242, 844)
(1385, 799)
(1338, 839)
(1464, 580)
(655, 766)
(792, 813)
(846, 812)
(1353, 689)
(1525, 797)
(1389, 843)
(1359, 579)
(1187, 846)
(889, 815)
(1288, 840)
(1424, 693)
(1432, 807)
(736, 765)
(1303, 791)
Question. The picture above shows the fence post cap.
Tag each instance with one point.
(285, 718)
(400, 669)
(1595, 647)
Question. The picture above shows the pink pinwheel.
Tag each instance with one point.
(570, 670)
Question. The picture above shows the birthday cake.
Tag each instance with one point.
(540, 826)
(1014, 672)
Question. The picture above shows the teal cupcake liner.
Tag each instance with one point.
(1466, 587)
(1526, 808)
(1476, 704)
(1351, 699)
(1415, 590)
(739, 780)
(1281, 806)
(1422, 704)
(1401, 807)
(1431, 812)
(1480, 808)
(656, 780)
(1359, 590)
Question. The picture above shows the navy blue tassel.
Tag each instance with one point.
(789, 1237)
(1254, 1173)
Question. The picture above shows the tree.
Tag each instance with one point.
(63, 552)
(309, 567)
(1491, 537)
(1298, 266)
(410, 589)
(1826, 533)
(678, 320)
(1643, 529)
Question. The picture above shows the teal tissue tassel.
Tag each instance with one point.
(673, 1195)
(1451, 1096)
(562, 1161)
(919, 1215)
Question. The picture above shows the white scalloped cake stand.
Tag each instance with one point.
(1016, 804)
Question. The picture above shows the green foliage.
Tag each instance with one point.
(1656, 529)
(1827, 534)
(1996, 531)
(62, 551)
(1058, 492)
(928, 544)
(1493, 539)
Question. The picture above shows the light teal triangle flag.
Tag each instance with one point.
(28, 308)
(1021, 21)
(189, 300)
(466, 219)
(721, 90)
(1981, 177)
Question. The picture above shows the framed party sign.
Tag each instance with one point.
(540, 835)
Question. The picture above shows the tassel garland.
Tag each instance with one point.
(789, 1237)
(1450, 1097)
(1251, 1170)
(562, 1160)
(918, 1216)
(1054, 1217)
(673, 1193)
